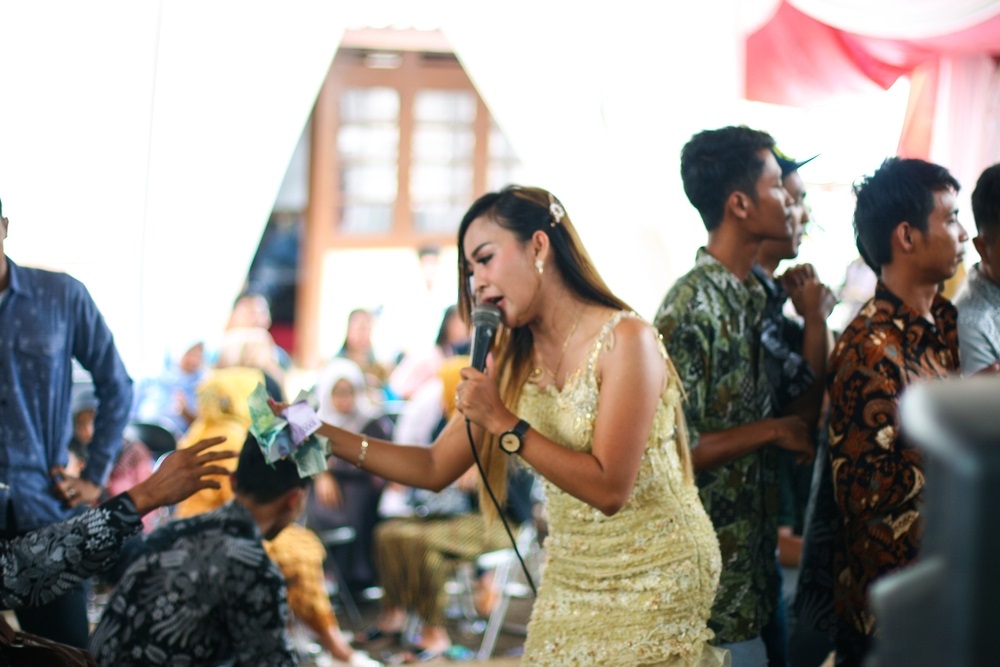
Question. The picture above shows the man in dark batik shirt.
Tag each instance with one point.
(202, 591)
(907, 230)
(795, 354)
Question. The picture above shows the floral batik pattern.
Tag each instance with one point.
(711, 323)
(47, 562)
(202, 591)
(878, 477)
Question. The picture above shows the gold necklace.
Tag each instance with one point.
(536, 374)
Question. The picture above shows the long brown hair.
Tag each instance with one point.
(524, 211)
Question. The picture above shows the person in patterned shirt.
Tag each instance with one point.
(795, 354)
(202, 590)
(711, 322)
(907, 230)
(90, 542)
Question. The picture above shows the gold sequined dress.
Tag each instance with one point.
(635, 588)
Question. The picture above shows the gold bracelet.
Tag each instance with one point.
(363, 454)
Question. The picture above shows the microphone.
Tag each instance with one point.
(485, 321)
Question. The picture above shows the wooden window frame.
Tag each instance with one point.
(413, 74)
(426, 62)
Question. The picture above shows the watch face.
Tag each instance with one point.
(509, 442)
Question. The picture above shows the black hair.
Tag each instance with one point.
(900, 190)
(716, 163)
(442, 337)
(264, 482)
(986, 203)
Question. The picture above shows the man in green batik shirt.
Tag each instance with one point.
(711, 323)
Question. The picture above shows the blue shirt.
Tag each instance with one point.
(46, 320)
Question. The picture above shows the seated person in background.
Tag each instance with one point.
(418, 366)
(253, 311)
(202, 590)
(223, 410)
(346, 495)
(247, 341)
(103, 530)
(358, 347)
(169, 399)
(415, 555)
(420, 420)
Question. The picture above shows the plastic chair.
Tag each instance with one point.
(158, 439)
(509, 578)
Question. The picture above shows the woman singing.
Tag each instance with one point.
(581, 391)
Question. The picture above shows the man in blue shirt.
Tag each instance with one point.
(47, 319)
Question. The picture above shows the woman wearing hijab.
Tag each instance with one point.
(346, 495)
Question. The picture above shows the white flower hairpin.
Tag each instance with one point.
(557, 211)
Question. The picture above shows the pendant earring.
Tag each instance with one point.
(539, 266)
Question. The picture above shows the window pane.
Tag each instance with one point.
(369, 182)
(436, 192)
(441, 170)
(369, 104)
(432, 183)
(368, 154)
(445, 106)
(442, 144)
(438, 218)
(366, 219)
(504, 168)
(365, 142)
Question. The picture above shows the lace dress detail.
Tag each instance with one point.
(635, 588)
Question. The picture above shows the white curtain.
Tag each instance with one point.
(144, 143)
(899, 19)
(966, 131)
(598, 101)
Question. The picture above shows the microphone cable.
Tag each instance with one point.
(500, 512)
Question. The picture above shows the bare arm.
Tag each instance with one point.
(100, 532)
(433, 467)
(633, 377)
(717, 448)
(814, 302)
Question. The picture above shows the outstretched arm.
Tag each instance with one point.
(428, 467)
(89, 542)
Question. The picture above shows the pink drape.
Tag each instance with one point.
(797, 60)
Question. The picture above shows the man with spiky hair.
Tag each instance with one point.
(711, 321)
(907, 230)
